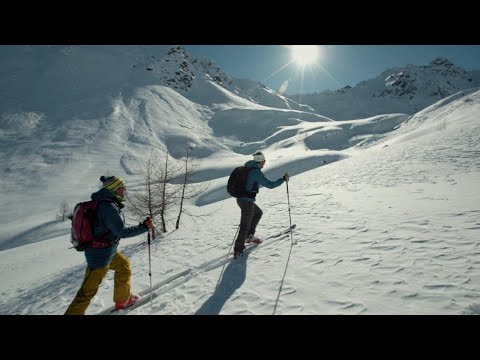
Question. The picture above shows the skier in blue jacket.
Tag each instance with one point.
(103, 255)
(250, 212)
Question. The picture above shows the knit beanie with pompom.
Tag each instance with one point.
(112, 183)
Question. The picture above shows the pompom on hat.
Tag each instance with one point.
(112, 183)
(258, 156)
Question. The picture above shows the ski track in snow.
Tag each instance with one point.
(24, 303)
(407, 267)
(393, 257)
(380, 264)
(187, 275)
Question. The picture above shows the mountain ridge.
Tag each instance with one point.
(406, 89)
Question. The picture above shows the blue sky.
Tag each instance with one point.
(337, 65)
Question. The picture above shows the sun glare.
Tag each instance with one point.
(305, 61)
(304, 54)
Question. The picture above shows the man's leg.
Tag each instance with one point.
(246, 208)
(257, 214)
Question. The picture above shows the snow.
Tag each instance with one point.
(386, 208)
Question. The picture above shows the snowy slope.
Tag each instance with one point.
(63, 105)
(386, 206)
(389, 229)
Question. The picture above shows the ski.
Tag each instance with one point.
(179, 278)
(246, 250)
(145, 294)
(252, 244)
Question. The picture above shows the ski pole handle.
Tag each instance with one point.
(148, 223)
(152, 230)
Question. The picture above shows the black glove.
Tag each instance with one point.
(286, 177)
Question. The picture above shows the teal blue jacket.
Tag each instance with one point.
(110, 217)
(256, 178)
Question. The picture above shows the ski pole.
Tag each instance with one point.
(233, 241)
(289, 215)
(234, 238)
(150, 269)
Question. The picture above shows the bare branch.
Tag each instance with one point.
(187, 190)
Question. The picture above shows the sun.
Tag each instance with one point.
(303, 62)
(304, 54)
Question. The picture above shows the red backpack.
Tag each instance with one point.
(83, 219)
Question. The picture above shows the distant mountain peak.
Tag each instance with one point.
(344, 89)
(406, 89)
(441, 61)
(177, 49)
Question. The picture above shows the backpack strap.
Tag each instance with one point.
(102, 244)
(251, 194)
(103, 241)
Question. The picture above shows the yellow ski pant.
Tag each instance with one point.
(121, 265)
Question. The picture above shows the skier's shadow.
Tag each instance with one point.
(232, 278)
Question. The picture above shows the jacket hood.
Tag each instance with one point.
(105, 194)
(252, 163)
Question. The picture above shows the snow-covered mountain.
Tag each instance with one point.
(68, 73)
(386, 207)
(51, 93)
(62, 106)
(402, 89)
(392, 229)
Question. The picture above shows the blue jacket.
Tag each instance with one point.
(110, 217)
(256, 178)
